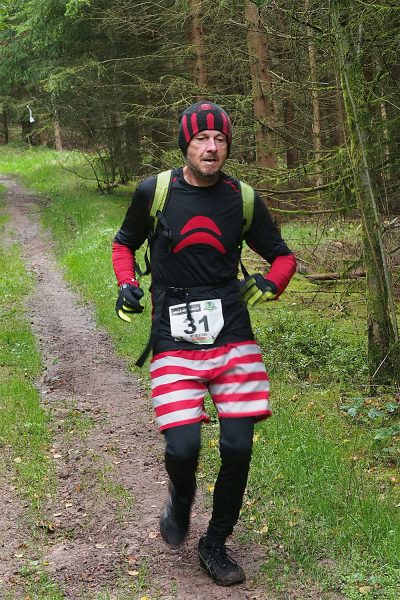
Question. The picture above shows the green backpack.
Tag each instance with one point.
(159, 203)
(160, 199)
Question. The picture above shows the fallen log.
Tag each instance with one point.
(335, 276)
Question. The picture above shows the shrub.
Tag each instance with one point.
(309, 346)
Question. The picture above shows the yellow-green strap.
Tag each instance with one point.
(248, 206)
(160, 195)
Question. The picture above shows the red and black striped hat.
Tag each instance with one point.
(200, 117)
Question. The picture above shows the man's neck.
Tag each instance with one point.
(194, 178)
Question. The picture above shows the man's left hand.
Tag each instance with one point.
(255, 288)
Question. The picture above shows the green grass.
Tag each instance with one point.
(3, 190)
(24, 425)
(322, 494)
(24, 433)
(138, 587)
(322, 505)
(38, 586)
(75, 423)
(303, 234)
(122, 499)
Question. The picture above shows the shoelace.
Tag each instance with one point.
(219, 555)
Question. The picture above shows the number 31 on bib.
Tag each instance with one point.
(204, 325)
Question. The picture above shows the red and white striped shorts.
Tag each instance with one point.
(234, 374)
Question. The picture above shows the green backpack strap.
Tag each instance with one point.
(248, 206)
(160, 196)
(248, 210)
(161, 193)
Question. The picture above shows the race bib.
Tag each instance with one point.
(205, 325)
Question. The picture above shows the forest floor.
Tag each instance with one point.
(99, 534)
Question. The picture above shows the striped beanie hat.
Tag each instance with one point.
(199, 117)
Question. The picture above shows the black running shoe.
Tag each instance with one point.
(215, 561)
(174, 522)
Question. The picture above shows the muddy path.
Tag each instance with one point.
(101, 525)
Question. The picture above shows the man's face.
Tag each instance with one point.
(207, 153)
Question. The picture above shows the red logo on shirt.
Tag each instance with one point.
(200, 237)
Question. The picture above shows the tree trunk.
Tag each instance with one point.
(132, 137)
(383, 337)
(261, 82)
(196, 36)
(289, 115)
(316, 122)
(385, 131)
(26, 132)
(340, 136)
(5, 126)
(57, 135)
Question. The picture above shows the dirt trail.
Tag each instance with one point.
(14, 532)
(103, 521)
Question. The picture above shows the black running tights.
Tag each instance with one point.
(181, 458)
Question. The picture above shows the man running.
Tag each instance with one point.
(202, 340)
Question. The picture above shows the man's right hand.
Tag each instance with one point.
(128, 301)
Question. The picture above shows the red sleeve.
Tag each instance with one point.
(123, 260)
(282, 270)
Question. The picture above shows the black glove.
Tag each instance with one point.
(255, 288)
(128, 301)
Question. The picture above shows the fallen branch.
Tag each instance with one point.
(303, 212)
(335, 276)
(307, 190)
